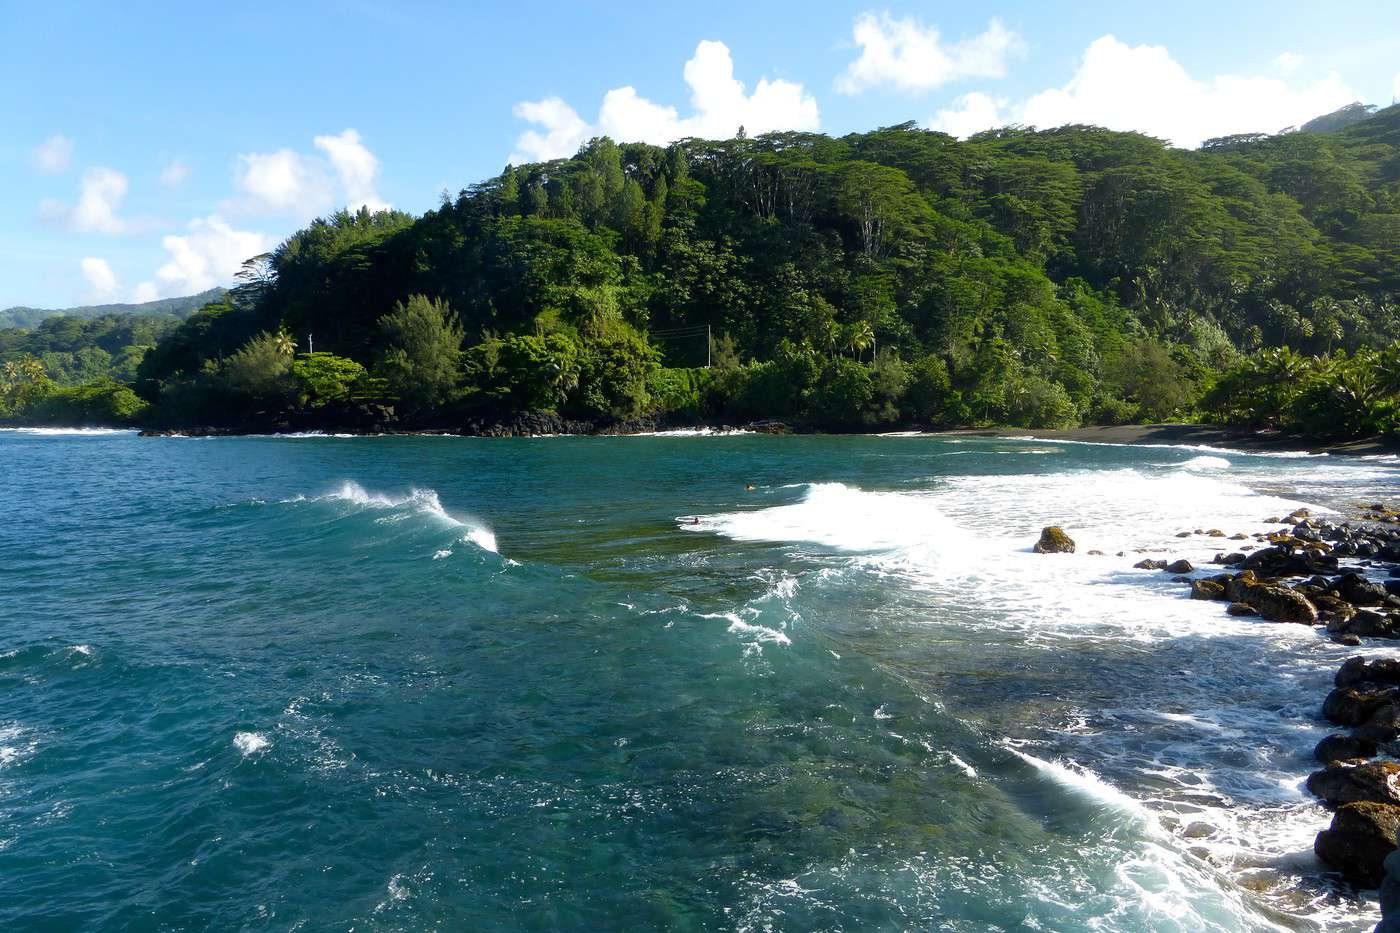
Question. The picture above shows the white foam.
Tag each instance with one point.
(1204, 448)
(445, 552)
(250, 743)
(1206, 463)
(69, 432)
(420, 501)
(691, 432)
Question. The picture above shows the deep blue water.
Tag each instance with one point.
(410, 683)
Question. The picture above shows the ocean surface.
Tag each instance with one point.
(402, 683)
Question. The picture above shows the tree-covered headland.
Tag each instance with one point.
(1022, 277)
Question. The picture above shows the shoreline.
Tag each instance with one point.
(1216, 437)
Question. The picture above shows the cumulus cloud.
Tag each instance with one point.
(909, 56)
(304, 185)
(54, 154)
(1287, 62)
(719, 102)
(175, 173)
(99, 197)
(1143, 88)
(1395, 88)
(101, 278)
(357, 166)
(208, 254)
(970, 113)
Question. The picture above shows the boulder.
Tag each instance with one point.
(1241, 609)
(1179, 566)
(1347, 783)
(1382, 727)
(1053, 540)
(1366, 623)
(1207, 589)
(1342, 747)
(1356, 844)
(1390, 896)
(1349, 706)
(1150, 564)
(1358, 670)
(1280, 604)
(1359, 591)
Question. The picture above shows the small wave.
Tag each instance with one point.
(69, 432)
(250, 743)
(1206, 463)
(692, 432)
(441, 554)
(421, 501)
(1202, 448)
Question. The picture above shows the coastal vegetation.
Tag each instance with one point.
(1022, 277)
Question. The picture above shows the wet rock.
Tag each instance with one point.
(1342, 747)
(1382, 727)
(1228, 560)
(1239, 536)
(1183, 534)
(1366, 623)
(1359, 591)
(1241, 609)
(1390, 896)
(1351, 706)
(1377, 781)
(1215, 533)
(1358, 670)
(1150, 564)
(1280, 604)
(1347, 639)
(1356, 844)
(1207, 589)
(1179, 566)
(1053, 540)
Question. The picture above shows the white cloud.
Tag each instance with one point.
(1143, 88)
(208, 255)
(719, 102)
(144, 292)
(284, 180)
(99, 197)
(357, 166)
(54, 154)
(907, 55)
(1395, 88)
(1287, 62)
(564, 130)
(175, 173)
(970, 114)
(302, 185)
(100, 276)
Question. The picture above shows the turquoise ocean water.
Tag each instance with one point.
(597, 683)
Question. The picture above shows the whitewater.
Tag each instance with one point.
(692, 679)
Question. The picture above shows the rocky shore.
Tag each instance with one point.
(1343, 577)
(375, 419)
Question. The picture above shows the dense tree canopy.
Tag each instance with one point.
(1033, 277)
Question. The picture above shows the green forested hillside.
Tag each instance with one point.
(20, 316)
(1026, 277)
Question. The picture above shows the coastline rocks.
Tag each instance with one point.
(1357, 590)
(1150, 564)
(1390, 896)
(1207, 589)
(1340, 783)
(1348, 706)
(1280, 604)
(1358, 670)
(1361, 622)
(1342, 747)
(1053, 540)
(1360, 838)
(1179, 566)
(1241, 609)
(1382, 728)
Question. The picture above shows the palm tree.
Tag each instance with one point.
(859, 336)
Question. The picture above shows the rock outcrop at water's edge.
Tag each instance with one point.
(1296, 575)
(1053, 540)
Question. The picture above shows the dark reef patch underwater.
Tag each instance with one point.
(405, 682)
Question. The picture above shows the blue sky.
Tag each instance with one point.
(147, 148)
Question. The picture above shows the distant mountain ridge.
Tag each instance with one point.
(21, 316)
(1349, 115)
